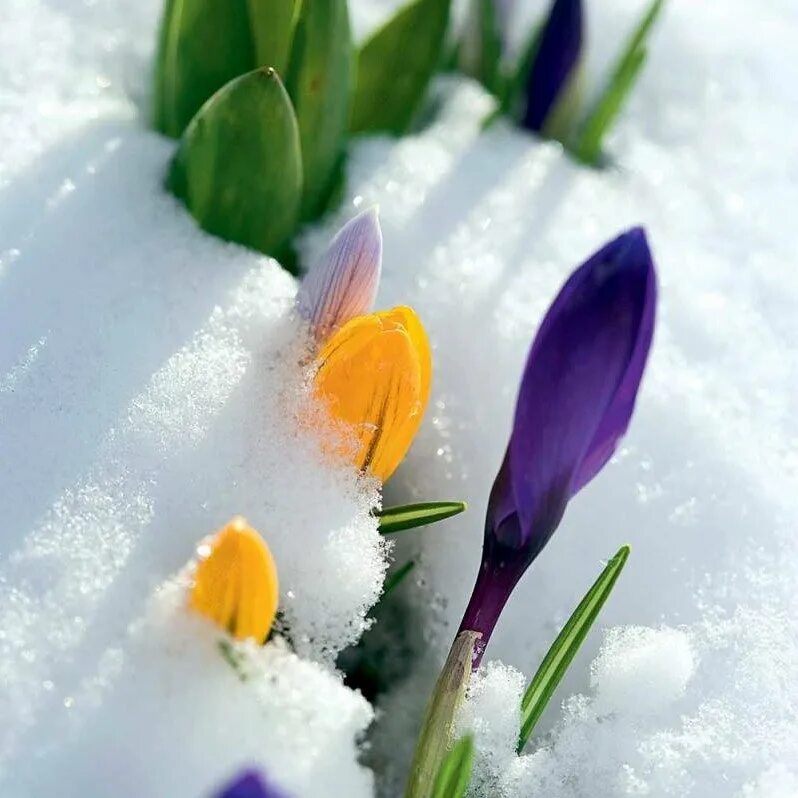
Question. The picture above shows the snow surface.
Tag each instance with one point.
(149, 387)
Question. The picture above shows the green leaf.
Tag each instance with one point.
(238, 167)
(410, 516)
(202, 45)
(395, 64)
(454, 775)
(514, 94)
(619, 86)
(272, 23)
(480, 52)
(234, 658)
(319, 82)
(397, 577)
(564, 648)
(491, 42)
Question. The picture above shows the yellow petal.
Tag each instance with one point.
(235, 584)
(408, 318)
(374, 375)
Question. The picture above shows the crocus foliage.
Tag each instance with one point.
(374, 376)
(540, 89)
(250, 784)
(344, 282)
(575, 402)
(235, 583)
(555, 64)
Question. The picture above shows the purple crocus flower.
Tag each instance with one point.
(250, 784)
(555, 62)
(344, 282)
(575, 402)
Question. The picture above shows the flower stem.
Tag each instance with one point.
(435, 738)
(495, 582)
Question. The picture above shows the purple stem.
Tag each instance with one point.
(497, 577)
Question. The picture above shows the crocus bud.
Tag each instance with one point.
(344, 282)
(575, 402)
(554, 65)
(374, 375)
(250, 784)
(235, 584)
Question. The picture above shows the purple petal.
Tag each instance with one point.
(618, 415)
(580, 381)
(501, 520)
(555, 60)
(250, 784)
(343, 284)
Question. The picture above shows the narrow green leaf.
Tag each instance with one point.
(564, 648)
(491, 47)
(514, 95)
(238, 167)
(640, 34)
(623, 78)
(410, 516)
(202, 45)
(395, 64)
(454, 775)
(397, 577)
(234, 658)
(272, 24)
(319, 82)
(480, 51)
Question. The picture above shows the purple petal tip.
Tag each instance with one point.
(581, 379)
(250, 784)
(343, 284)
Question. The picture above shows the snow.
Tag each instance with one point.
(288, 715)
(150, 389)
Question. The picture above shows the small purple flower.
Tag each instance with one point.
(343, 284)
(555, 62)
(575, 402)
(250, 784)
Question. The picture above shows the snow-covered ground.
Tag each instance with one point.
(148, 380)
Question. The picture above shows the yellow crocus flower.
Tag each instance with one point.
(235, 584)
(374, 374)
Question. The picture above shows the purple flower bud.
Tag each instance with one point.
(343, 284)
(575, 402)
(250, 784)
(555, 61)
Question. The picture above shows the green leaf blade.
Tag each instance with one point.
(202, 45)
(397, 577)
(320, 78)
(454, 774)
(564, 648)
(513, 95)
(238, 167)
(272, 24)
(395, 65)
(410, 516)
(480, 51)
(623, 78)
